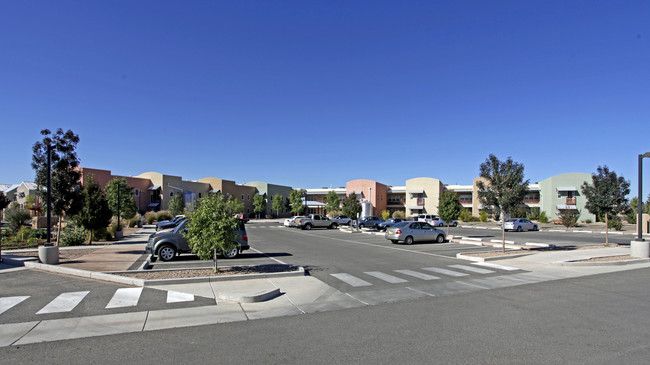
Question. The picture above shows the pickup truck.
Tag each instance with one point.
(315, 221)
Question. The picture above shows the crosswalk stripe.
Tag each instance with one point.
(65, 302)
(496, 266)
(352, 280)
(385, 277)
(418, 275)
(125, 297)
(8, 302)
(177, 297)
(445, 271)
(472, 269)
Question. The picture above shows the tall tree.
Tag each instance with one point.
(606, 195)
(449, 207)
(259, 204)
(296, 201)
(127, 204)
(351, 206)
(4, 201)
(211, 226)
(333, 201)
(277, 204)
(176, 205)
(503, 188)
(95, 213)
(66, 194)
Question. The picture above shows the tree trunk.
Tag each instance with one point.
(58, 231)
(503, 231)
(606, 229)
(214, 258)
(90, 242)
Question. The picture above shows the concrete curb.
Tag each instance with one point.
(601, 263)
(299, 272)
(256, 297)
(465, 256)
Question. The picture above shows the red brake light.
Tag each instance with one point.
(245, 238)
(399, 231)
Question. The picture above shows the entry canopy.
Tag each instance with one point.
(566, 188)
(154, 187)
(416, 191)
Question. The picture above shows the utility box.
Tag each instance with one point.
(645, 223)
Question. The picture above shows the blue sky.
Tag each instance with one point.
(316, 93)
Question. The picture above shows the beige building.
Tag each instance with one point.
(229, 188)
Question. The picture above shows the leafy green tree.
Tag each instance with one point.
(503, 188)
(16, 218)
(95, 213)
(259, 204)
(4, 201)
(606, 195)
(333, 201)
(177, 205)
(66, 194)
(351, 206)
(296, 201)
(569, 217)
(127, 204)
(211, 226)
(449, 207)
(277, 204)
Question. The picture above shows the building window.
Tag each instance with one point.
(199, 195)
(248, 197)
(242, 197)
(137, 192)
(171, 193)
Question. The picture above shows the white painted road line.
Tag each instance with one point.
(177, 297)
(418, 275)
(537, 244)
(352, 280)
(385, 277)
(445, 271)
(65, 302)
(125, 297)
(500, 241)
(8, 302)
(496, 266)
(471, 238)
(472, 269)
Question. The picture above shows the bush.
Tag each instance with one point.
(39, 234)
(483, 216)
(399, 214)
(163, 215)
(588, 221)
(17, 218)
(615, 223)
(474, 219)
(114, 228)
(542, 218)
(533, 214)
(150, 217)
(569, 217)
(631, 217)
(74, 236)
(101, 234)
(385, 214)
(465, 215)
(334, 213)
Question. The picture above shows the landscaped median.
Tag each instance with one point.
(482, 256)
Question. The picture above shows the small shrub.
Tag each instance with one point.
(17, 218)
(114, 227)
(73, 236)
(615, 223)
(163, 215)
(534, 214)
(101, 234)
(588, 221)
(542, 217)
(150, 217)
(385, 214)
(569, 217)
(474, 219)
(631, 217)
(483, 216)
(465, 215)
(40, 234)
(334, 213)
(399, 214)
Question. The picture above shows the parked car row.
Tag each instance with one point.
(410, 232)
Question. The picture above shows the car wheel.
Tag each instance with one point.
(349, 223)
(362, 225)
(440, 238)
(454, 224)
(307, 226)
(535, 228)
(408, 240)
(519, 229)
(440, 225)
(334, 226)
(231, 253)
(394, 241)
(166, 253)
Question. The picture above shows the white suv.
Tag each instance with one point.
(426, 217)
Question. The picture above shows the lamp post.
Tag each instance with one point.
(119, 187)
(639, 247)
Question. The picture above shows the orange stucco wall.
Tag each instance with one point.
(372, 191)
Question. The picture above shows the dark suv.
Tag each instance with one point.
(166, 245)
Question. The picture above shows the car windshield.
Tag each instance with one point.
(179, 227)
(511, 220)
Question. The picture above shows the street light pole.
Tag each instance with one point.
(639, 218)
(49, 194)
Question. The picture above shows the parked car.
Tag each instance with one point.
(389, 223)
(342, 220)
(519, 224)
(315, 221)
(409, 232)
(370, 221)
(242, 216)
(166, 245)
(291, 222)
(169, 224)
(425, 217)
(438, 222)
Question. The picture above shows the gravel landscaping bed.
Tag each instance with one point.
(608, 258)
(197, 273)
(493, 253)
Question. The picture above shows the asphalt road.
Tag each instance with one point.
(598, 319)
(556, 238)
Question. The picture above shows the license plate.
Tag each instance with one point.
(390, 232)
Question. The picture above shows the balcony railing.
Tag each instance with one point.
(466, 201)
(531, 201)
(396, 202)
(420, 201)
(571, 201)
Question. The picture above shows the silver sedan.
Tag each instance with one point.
(520, 224)
(409, 232)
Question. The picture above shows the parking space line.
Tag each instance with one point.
(445, 271)
(9, 302)
(125, 297)
(65, 302)
(472, 269)
(272, 258)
